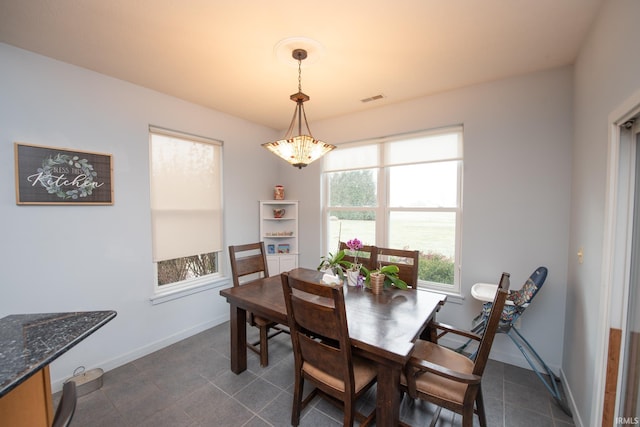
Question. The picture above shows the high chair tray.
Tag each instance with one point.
(486, 292)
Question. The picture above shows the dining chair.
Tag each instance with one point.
(248, 263)
(322, 349)
(67, 405)
(366, 255)
(406, 260)
(450, 379)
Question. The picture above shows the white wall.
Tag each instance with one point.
(517, 140)
(607, 72)
(59, 258)
(67, 258)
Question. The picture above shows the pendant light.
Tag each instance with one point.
(302, 149)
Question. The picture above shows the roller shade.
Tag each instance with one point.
(186, 199)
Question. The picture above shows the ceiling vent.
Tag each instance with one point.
(372, 98)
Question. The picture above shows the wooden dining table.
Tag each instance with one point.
(382, 328)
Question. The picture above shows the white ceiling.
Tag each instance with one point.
(222, 53)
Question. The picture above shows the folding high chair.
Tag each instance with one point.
(517, 302)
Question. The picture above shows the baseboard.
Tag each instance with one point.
(577, 420)
(107, 365)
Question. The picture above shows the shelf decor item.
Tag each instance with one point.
(283, 248)
(278, 192)
(279, 213)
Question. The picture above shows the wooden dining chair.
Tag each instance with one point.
(248, 263)
(322, 349)
(450, 379)
(406, 260)
(366, 255)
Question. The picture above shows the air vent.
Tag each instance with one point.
(372, 98)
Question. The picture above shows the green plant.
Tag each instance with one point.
(391, 276)
(435, 267)
(335, 263)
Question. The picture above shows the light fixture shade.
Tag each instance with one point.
(299, 150)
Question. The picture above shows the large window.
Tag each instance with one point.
(186, 208)
(401, 192)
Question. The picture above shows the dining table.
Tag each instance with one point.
(382, 328)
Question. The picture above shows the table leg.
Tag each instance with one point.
(238, 324)
(388, 391)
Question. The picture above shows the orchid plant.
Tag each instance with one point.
(355, 245)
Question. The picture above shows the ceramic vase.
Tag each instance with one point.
(352, 277)
(278, 192)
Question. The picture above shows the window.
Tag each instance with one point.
(186, 208)
(401, 192)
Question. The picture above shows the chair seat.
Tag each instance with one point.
(436, 385)
(363, 373)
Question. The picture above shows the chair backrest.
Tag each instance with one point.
(366, 255)
(406, 260)
(318, 325)
(530, 288)
(482, 355)
(248, 260)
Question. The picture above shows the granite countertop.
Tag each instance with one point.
(29, 342)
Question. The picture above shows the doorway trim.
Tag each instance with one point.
(616, 251)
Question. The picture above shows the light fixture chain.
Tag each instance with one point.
(299, 75)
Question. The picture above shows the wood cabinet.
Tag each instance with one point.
(30, 403)
(279, 232)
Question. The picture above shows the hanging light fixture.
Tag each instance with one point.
(299, 150)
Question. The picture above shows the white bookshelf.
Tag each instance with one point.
(280, 235)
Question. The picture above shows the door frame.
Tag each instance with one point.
(616, 254)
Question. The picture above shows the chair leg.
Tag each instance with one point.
(348, 413)
(482, 417)
(264, 347)
(297, 400)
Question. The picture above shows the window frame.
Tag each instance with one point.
(170, 291)
(383, 210)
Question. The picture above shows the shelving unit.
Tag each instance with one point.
(280, 234)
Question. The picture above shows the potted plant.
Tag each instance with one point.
(354, 269)
(390, 274)
(334, 264)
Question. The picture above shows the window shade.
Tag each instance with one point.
(186, 199)
(433, 145)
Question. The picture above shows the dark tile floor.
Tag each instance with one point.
(190, 384)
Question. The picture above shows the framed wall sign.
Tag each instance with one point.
(59, 176)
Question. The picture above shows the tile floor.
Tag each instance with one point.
(189, 384)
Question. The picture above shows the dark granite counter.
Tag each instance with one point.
(29, 342)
